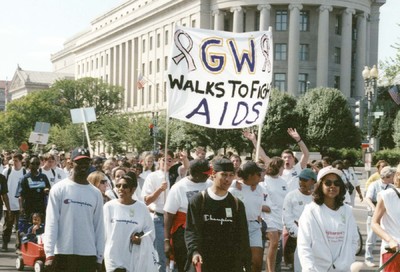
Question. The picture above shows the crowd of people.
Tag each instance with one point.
(174, 212)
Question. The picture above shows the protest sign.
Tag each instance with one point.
(219, 79)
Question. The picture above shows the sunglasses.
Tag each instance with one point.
(329, 182)
(104, 181)
(123, 185)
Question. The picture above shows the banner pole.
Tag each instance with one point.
(86, 131)
(258, 142)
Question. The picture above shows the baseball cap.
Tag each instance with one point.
(80, 153)
(200, 166)
(223, 165)
(328, 170)
(251, 167)
(308, 174)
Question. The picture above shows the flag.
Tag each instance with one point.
(141, 81)
(394, 93)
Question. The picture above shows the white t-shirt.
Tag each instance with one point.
(74, 220)
(151, 184)
(276, 189)
(252, 200)
(390, 220)
(181, 192)
(121, 221)
(293, 207)
(335, 228)
(12, 183)
(292, 177)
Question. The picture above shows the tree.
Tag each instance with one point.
(280, 116)
(396, 133)
(22, 114)
(327, 116)
(90, 92)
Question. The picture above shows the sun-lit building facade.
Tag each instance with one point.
(316, 43)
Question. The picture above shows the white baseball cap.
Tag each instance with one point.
(328, 170)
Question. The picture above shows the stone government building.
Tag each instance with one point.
(326, 43)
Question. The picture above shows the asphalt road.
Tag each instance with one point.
(8, 259)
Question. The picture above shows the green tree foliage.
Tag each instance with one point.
(22, 114)
(281, 115)
(396, 132)
(67, 137)
(90, 92)
(328, 119)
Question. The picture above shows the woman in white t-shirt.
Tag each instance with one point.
(276, 189)
(129, 231)
(251, 194)
(327, 236)
(386, 218)
(148, 166)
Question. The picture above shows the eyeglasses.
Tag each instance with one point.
(329, 182)
(123, 185)
(104, 181)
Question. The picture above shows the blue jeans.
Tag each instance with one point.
(371, 240)
(159, 240)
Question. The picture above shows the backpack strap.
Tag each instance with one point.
(397, 192)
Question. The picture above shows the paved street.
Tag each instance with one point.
(7, 259)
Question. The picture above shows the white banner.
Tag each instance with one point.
(219, 79)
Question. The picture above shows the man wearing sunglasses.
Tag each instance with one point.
(74, 232)
(154, 192)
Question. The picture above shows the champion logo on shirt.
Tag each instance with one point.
(208, 217)
(70, 201)
(294, 174)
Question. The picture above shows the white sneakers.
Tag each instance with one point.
(370, 264)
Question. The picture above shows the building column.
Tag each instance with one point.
(219, 17)
(361, 57)
(373, 40)
(345, 52)
(323, 46)
(294, 47)
(237, 19)
(265, 16)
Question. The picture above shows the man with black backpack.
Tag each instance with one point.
(13, 175)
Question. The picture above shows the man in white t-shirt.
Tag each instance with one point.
(154, 192)
(175, 209)
(13, 176)
(74, 233)
(54, 174)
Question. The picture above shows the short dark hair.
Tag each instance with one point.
(130, 179)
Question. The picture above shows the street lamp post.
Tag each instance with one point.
(370, 79)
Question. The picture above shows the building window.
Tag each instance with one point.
(304, 52)
(157, 93)
(151, 43)
(164, 91)
(142, 98)
(303, 83)
(166, 37)
(150, 67)
(158, 40)
(166, 63)
(149, 95)
(338, 25)
(304, 20)
(143, 45)
(97, 63)
(107, 59)
(281, 20)
(280, 51)
(280, 82)
(79, 69)
(337, 55)
(193, 23)
(143, 68)
(158, 65)
(102, 61)
(336, 83)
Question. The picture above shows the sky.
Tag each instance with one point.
(31, 31)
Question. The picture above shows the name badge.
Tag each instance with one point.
(228, 212)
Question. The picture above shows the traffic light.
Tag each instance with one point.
(151, 132)
(357, 116)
